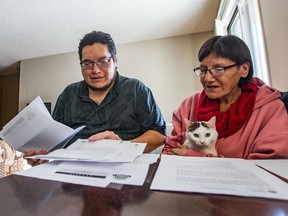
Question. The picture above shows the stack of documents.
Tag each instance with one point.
(96, 163)
(228, 176)
(34, 128)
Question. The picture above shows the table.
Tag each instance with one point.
(30, 196)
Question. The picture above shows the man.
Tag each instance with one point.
(110, 105)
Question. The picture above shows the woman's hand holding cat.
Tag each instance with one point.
(104, 135)
(181, 150)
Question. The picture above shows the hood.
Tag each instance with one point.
(265, 93)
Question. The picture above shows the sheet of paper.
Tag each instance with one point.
(123, 173)
(147, 158)
(90, 173)
(277, 166)
(217, 176)
(98, 151)
(34, 128)
(47, 171)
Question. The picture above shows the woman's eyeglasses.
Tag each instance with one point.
(216, 71)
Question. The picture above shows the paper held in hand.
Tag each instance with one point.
(106, 150)
(34, 128)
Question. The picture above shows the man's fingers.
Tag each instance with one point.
(104, 135)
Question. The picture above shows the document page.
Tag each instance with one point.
(47, 171)
(217, 176)
(122, 173)
(98, 151)
(91, 173)
(34, 128)
(277, 166)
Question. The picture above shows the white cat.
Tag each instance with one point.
(201, 136)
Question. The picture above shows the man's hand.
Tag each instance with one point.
(104, 135)
(32, 152)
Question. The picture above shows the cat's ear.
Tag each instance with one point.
(212, 122)
(187, 122)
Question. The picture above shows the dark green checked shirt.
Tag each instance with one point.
(129, 110)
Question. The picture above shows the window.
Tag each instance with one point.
(242, 18)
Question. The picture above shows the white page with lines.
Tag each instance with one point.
(224, 176)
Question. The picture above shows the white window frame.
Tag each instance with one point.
(249, 28)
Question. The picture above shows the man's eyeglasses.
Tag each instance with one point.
(216, 71)
(101, 63)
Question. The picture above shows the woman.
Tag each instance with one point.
(251, 120)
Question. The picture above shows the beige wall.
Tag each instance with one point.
(275, 25)
(165, 65)
(47, 77)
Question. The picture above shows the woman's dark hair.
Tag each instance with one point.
(97, 37)
(230, 47)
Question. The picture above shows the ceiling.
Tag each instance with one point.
(35, 28)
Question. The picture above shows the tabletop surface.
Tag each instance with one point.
(30, 196)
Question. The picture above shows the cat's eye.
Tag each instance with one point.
(196, 135)
(207, 134)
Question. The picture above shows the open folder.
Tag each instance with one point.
(34, 128)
